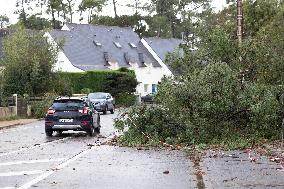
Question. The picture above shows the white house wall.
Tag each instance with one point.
(63, 64)
(166, 70)
(148, 76)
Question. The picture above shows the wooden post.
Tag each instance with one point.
(240, 20)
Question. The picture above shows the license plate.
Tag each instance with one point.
(65, 120)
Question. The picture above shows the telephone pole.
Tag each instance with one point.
(240, 20)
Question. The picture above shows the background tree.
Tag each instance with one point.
(114, 8)
(4, 21)
(91, 6)
(70, 8)
(53, 7)
(170, 10)
(28, 61)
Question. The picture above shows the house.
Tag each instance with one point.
(162, 47)
(94, 47)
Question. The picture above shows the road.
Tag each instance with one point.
(74, 160)
(30, 160)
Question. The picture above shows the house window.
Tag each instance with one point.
(146, 86)
(154, 88)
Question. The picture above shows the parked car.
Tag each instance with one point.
(149, 98)
(72, 113)
(102, 102)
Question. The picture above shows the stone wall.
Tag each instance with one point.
(8, 111)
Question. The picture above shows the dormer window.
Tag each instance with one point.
(132, 45)
(117, 44)
(107, 58)
(97, 43)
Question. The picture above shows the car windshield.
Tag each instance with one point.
(68, 104)
(97, 95)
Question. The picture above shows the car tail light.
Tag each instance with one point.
(49, 122)
(50, 111)
(85, 122)
(84, 111)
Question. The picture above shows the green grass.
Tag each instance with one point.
(9, 118)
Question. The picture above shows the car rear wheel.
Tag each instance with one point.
(48, 133)
(112, 111)
(91, 131)
(105, 110)
(98, 130)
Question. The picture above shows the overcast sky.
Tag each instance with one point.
(7, 7)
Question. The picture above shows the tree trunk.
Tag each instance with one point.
(64, 13)
(114, 8)
(136, 7)
(70, 11)
(53, 18)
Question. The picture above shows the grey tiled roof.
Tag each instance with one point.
(163, 46)
(80, 49)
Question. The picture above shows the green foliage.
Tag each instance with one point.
(265, 111)
(86, 91)
(10, 118)
(258, 14)
(61, 86)
(125, 99)
(28, 62)
(114, 82)
(207, 106)
(153, 121)
(133, 21)
(39, 108)
(91, 6)
(219, 46)
(37, 23)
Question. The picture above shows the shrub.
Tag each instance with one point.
(86, 91)
(265, 111)
(39, 108)
(125, 100)
(114, 82)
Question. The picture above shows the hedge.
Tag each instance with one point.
(114, 82)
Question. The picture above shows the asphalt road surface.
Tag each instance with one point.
(28, 159)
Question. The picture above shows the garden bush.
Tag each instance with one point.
(114, 82)
(125, 99)
(39, 108)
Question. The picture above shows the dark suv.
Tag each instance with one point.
(70, 113)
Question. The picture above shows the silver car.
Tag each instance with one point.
(103, 102)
